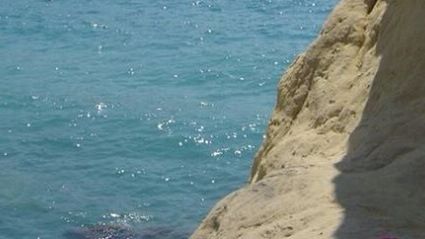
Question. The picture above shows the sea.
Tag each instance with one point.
(141, 113)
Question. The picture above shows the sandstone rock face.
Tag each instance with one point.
(344, 152)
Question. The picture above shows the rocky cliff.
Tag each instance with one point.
(344, 152)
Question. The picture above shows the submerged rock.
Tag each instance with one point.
(103, 232)
(123, 232)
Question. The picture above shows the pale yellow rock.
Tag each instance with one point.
(345, 147)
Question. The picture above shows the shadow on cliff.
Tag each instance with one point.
(382, 176)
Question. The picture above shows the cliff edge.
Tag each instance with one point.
(344, 152)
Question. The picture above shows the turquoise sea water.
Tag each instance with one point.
(142, 113)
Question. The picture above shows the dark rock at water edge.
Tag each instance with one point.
(123, 232)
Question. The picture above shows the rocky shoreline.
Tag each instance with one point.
(343, 155)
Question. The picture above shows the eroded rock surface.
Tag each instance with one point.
(344, 156)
